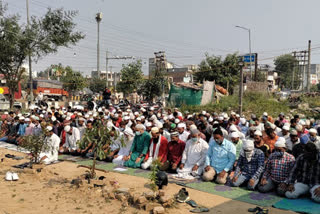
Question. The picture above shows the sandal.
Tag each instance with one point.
(200, 210)
(254, 210)
(192, 203)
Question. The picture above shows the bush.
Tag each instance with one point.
(253, 103)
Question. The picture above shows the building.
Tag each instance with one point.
(111, 77)
(153, 67)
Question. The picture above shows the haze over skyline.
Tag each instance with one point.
(184, 29)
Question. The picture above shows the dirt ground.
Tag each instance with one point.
(50, 191)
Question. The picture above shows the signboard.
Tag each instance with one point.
(246, 58)
(1, 90)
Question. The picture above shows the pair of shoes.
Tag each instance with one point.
(11, 176)
(182, 196)
(199, 210)
(258, 210)
(9, 156)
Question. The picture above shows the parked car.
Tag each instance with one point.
(5, 104)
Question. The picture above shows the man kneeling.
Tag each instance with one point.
(220, 158)
(158, 149)
(250, 166)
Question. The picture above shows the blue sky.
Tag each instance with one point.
(184, 29)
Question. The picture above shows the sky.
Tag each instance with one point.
(184, 29)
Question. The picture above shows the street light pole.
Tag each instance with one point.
(249, 31)
(29, 57)
(98, 19)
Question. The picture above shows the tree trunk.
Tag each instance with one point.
(11, 97)
(93, 174)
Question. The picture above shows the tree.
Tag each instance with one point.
(52, 72)
(285, 66)
(131, 77)
(99, 136)
(97, 85)
(224, 72)
(152, 88)
(44, 36)
(73, 81)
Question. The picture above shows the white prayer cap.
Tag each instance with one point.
(151, 109)
(210, 119)
(155, 130)
(79, 114)
(220, 118)
(159, 115)
(36, 118)
(142, 117)
(265, 114)
(90, 113)
(143, 110)
(68, 118)
(95, 114)
(6, 112)
(21, 118)
(194, 131)
(140, 126)
(234, 135)
(49, 128)
(258, 133)
(179, 114)
(132, 117)
(165, 118)
(287, 128)
(153, 117)
(128, 110)
(126, 118)
(138, 119)
(53, 118)
(302, 123)
(243, 120)
(171, 117)
(232, 113)
(314, 131)
(237, 115)
(203, 112)
(148, 124)
(67, 128)
(125, 114)
(41, 115)
(105, 117)
(193, 126)
(299, 128)
(181, 125)
(272, 126)
(128, 131)
(136, 113)
(159, 125)
(281, 142)
(27, 120)
(215, 122)
(176, 121)
(19, 115)
(307, 122)
(248, 145)
(189, 116)
(82, 119)
(233, 128)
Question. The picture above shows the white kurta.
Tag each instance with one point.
(193, 154)
(184, 136)
(124, 151)
(52, 155)
(72, 140)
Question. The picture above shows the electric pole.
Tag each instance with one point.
(29, 56)
(98, 19)
(107, 68)
(309, 66)
(241, 88)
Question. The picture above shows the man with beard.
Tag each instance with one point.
(271, 138)
(175, 150)
(293, 144)
(277, 169)
(259, 143)
(158, 149)
(120, 158)
(305, 175)
(220, 158)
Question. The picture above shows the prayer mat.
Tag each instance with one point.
(301, 205)
(237, 193)
(12, 147)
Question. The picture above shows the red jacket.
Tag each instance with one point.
(163, 150)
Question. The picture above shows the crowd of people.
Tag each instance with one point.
(260, 152)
